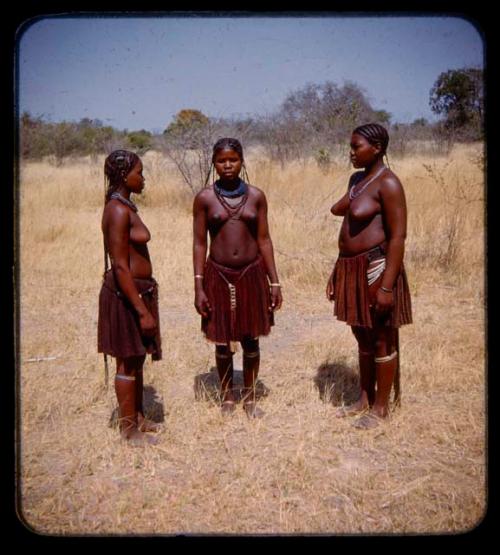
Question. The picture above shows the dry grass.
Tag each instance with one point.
(299, 470)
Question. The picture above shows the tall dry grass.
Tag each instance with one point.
(298, 470)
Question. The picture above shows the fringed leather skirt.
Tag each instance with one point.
(353, 298)
(240, 301)
(118, 329)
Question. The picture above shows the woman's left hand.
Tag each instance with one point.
(276, 298)
(384, 301)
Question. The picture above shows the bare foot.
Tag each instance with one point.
(352, 410)
(135, 438)
(146, 425)
(228, 407)
(369, 421)
(252, 410)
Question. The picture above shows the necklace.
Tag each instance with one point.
(124, 200)
(353, 195)
(233, 210)
(240, 190)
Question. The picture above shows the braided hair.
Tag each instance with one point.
(375, 134)
(227, 143)
(223, 144)
(116, 168)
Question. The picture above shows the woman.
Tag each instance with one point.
(232, 293)
(128, 325)
(368, 284)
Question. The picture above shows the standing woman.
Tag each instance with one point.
(368, 284)
(232, 292)
(128, 324)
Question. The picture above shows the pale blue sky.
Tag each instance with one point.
(138, 72)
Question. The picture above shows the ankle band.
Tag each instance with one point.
(253, 354)
(387, 358)
(125, 377)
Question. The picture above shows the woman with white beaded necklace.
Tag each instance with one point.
(368, 283)
(128, 323)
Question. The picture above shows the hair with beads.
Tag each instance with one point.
(226, 143)
(116, 168)
(374, 133)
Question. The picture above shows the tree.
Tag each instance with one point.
(315, 118)
(140, 141)
(186, 120)
(459, 96)
(187, 142)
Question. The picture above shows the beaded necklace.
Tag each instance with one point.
(121, 198)
(240, 190)
(233, 210)
(355, 194)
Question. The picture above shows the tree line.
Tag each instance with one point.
(313, 121)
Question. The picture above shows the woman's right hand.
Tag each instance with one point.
(147, 324)
(201, 303)
(329, 288)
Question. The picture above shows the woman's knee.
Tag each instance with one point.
(384, 341)
(250, 345)
(130, 366)
(222, 351)
(364, 338)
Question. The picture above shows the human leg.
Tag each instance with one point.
(126, 394)
(144, 424)
(251, 364)
(386, 362)
(224, 362)
(366, 354)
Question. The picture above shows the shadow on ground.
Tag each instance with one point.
(207, 386)
(337, 383)
(152, 405)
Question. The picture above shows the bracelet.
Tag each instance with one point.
(386, 290)
(198, 276)
(275, 284)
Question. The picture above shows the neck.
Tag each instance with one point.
(229, 185)
(375, 167)
(123, 191)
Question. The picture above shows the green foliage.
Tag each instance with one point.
(312, 121)
(323, 160)
(317, 115)
(39, 138)
(140, 141)
(186, 120)
(459, 96)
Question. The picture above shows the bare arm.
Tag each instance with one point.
(393, 203)
(117, 233)
(266, 249)
(200, 230)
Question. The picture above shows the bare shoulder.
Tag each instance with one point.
(390, 183)
(204, 196)
(256, 193)
(115, 216)
(115, 210)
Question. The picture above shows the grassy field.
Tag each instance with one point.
(299, 470)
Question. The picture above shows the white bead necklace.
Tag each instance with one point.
(353, 195)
